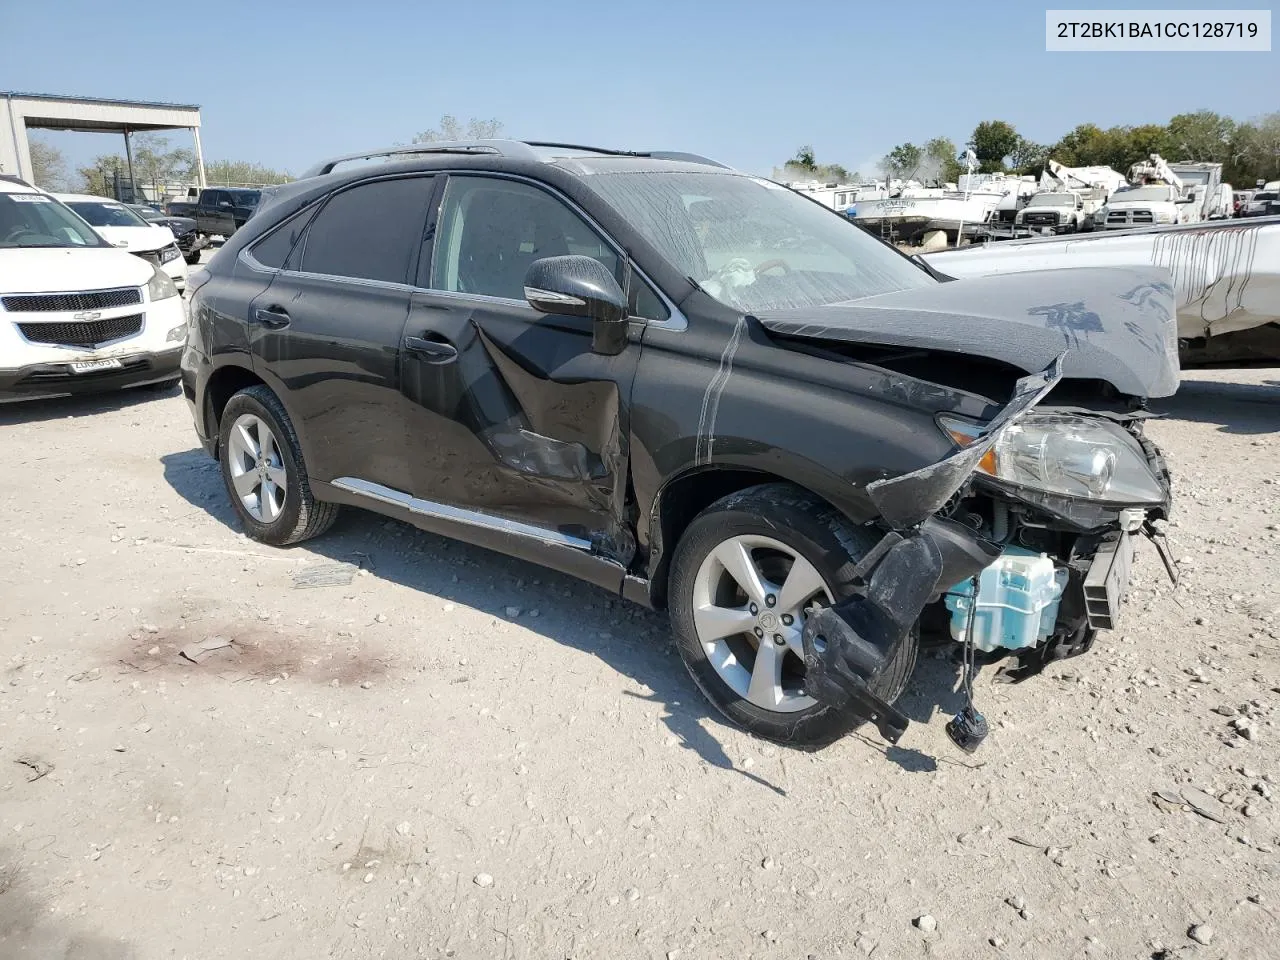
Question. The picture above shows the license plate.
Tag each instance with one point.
(93, 366)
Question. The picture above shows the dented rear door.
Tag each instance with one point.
(509, 411)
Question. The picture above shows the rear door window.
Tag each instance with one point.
(371, 231)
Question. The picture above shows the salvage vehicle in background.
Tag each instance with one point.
(182, 228)
(221, 211)
(77, 314)
(804, 445)
(1226, 278)
(121, 227)
(1057, 212)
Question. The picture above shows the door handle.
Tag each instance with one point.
(271, 317)
(434, 351)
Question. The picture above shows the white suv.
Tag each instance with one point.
(78, 315)
(122, 227)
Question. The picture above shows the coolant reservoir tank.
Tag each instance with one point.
(1017, 602)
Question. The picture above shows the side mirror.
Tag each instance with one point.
(578, 286)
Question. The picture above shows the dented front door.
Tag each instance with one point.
(511, 414)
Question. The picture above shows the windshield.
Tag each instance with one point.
(1142, 193)
(106, 213)
(148, 213)
(755, 245)
(34, 220)
(1053, 200)
(1264, 196)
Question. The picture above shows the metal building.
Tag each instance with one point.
(20, 112)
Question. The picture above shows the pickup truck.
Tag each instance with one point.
(220, 211)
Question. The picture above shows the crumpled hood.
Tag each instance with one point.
(70, 269)
(1116, 325)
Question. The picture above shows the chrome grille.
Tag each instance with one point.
(82, 333)
(66, 302)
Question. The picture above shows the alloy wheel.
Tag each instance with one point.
(257, 470)
(750, 599)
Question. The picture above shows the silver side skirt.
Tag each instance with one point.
(471, 518)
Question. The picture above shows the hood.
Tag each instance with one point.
(1116, 325)
(179, 225)
(70, 269)
(136, 239)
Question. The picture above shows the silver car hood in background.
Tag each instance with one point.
(1115, 325)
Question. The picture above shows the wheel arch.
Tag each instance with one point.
(224, 383)
(682, 497)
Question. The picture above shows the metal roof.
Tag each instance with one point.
(103, 100)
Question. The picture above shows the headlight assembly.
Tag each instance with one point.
(169, 253)
(160, 287)
(1080, 457)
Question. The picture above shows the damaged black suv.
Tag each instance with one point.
(699, 390)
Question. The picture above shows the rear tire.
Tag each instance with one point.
(768, 522)
(265, 473)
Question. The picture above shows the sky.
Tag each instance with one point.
(286, 84)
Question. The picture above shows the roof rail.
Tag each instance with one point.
(651, 154)
(14, 178)
(498, 147)
(514, 149)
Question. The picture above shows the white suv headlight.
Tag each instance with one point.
(1081, 457)
(160, 287)
(169, 253)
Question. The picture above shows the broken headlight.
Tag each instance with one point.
(1071, 456)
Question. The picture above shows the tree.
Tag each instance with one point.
(902, 161)
(48, 166)
(940, 157)
(992, 141)
(1255, 152)
(155, 164)
(1203, 135)
(98, 177)
(1027, 156)
(451, 129)
(243, 172)
(804, 159)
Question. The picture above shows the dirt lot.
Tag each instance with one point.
(456, 754)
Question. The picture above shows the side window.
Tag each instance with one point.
(491, 230)
(644, 302)
(371, 231)
(273, 249)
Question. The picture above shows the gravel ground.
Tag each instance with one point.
(457, 754)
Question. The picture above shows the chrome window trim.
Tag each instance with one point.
(676, 321)
(471, 518)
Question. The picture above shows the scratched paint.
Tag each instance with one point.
(711, 397)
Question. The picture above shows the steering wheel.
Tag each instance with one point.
(774, 264)
(19, 230)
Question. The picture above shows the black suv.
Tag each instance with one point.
(698, 390)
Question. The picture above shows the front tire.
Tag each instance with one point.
(743, 577)
(264, 471)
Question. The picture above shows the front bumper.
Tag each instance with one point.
(31, 370)
(42, 381)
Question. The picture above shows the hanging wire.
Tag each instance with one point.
(970, 651)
